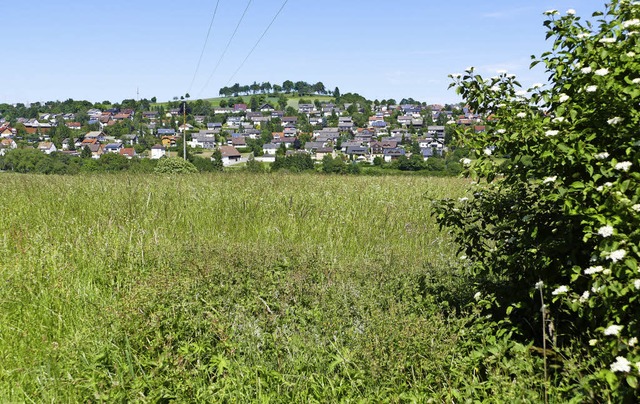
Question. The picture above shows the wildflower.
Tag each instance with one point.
(560, 290)
(563, 98)
(463, 199)
(613, 330)
(623, 166)
(631, 54)
(616, 255)
(630, 23)
(601, 72)
(605, 231)
(585, 296)
(571, 11)
(521, 115)
(465, 161)
(501, 131)
(551, 133)
(487, 151)
(586, 70)
(615, 120)
(539, 285)
(636, 283)
(602, 156)
(591, 89)
(636, 207)
(607, 40)
(593, 270)
(636, 81)
(632, 341)
(550, 179)
(621, 365)
(593, 342)
(477, 296)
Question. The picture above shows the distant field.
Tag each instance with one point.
(229, 287)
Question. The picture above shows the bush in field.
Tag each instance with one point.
(175, 165)
(563, 212)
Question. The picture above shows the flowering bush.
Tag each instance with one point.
(561, 209)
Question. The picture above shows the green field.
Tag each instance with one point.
(237, 287)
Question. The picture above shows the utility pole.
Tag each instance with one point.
(184, 131)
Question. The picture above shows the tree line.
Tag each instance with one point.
(288, 86)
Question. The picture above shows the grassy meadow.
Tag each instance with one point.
(236, 287)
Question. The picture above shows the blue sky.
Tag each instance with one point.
(54, 50)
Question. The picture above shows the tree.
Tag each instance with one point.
(318, 88)
(85, 153)
(552, 233)
(336, 93)
(175, 165)
(287, 86)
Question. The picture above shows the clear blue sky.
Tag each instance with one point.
(54, 50)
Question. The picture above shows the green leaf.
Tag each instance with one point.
(632, 381)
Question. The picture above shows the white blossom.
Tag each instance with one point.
(607, 271)
(615, 120)
(521, 115)
(631, 54)
(621, 365)
(630, 23)
(602, 156)
(591, 89)
(593, 342)
(632, 341)
(539, 285)
(495, 88)
(477, 296)
(616, 255)
(501, 131)
(585, 296)
(601, 72)
(563, 98)
(521, 93)
(463, 199)
(623, 166)
(571, 11)
(586, 70)
(551, 133)
(465, 161)
(550, 179)
(487, 151)
(607, 40)
(613, 330)
(560, 290)
(636, 80)
(605, 231)
(558, 119)
(451, 122)
(583, 35)
(593, 270)
(636, 283)
(636, 207)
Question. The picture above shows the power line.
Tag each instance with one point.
(215, 11)
(258, 41)
(226, 47)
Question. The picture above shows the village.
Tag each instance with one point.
(391, 132)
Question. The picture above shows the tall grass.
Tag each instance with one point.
(228, 287)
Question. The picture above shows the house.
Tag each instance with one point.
(47, 147)
(229, 155)
(130, 139)
(290, 132)
(204, 139)
(214, 125)
(313, 146)
(345, 124)
(306, 108)
(113, 148)
(356, 151)
(405, 120)
(266, 108)
(151, 115)
(240, 108)
(7, 131)
(436, 131)
(324, 151)
(7, 144)
(158, 151)
(165, 132)
(97, 135)
(96, 149)
(238, 142)
(74, 125)
(291, 120)
(168, 141)
(393, 154)
(270, 149)
(128, 152)
(184, 127)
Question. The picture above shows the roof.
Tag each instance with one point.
(229, 151)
